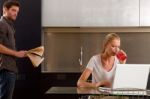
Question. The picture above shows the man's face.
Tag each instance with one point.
(11, 13)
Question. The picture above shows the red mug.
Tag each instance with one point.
(121, 56)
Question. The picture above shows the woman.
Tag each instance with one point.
(102, 66)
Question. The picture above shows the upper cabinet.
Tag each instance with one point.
(90, 13)
(109, 13)
(57, 13)
(144, 12)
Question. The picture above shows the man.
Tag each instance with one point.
(8, 51)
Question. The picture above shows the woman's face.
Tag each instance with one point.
(113, 47)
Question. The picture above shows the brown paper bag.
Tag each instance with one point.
(35, 55)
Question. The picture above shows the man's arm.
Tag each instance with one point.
(7, 51)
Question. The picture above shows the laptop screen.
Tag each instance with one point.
(131, 76)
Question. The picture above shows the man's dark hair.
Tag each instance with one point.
(9, 3)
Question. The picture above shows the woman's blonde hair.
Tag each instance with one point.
(108, 38)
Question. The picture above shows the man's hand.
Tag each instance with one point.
(20, 54)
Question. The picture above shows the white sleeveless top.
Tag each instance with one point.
(98, 72)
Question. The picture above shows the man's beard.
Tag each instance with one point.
(11, 19)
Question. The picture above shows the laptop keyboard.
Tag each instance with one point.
(123, 91)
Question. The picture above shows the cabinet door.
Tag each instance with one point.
(58, 13)
(144, 12)
(110, 13)
(78, 13)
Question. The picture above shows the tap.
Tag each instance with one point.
(81, 56)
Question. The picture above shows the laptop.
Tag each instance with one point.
(130, 77)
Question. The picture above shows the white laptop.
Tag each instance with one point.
(130, 77)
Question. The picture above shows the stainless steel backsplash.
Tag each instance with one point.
(63, 50)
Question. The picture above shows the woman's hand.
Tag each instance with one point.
(104, 83)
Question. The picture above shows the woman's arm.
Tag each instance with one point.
(82, 82)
